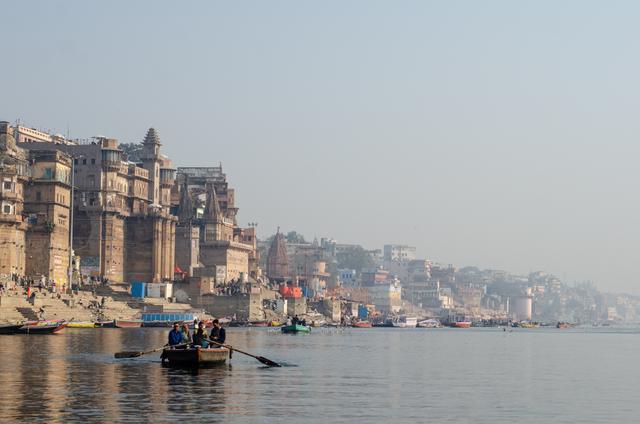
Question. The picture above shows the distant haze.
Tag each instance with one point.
(499, 134)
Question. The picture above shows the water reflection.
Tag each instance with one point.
(339, 376)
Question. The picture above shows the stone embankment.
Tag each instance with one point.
(84, 305)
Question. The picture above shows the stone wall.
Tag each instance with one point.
(246, 307)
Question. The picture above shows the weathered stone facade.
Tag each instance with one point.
(207, 205)
(35, 201)
(123, 228)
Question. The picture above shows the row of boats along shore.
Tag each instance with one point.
(295, 326)
(198, 354)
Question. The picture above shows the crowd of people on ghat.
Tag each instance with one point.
(180, 335)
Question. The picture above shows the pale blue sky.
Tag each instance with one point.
(500, 134)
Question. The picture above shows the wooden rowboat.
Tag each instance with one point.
(296, 328)
(42, 328)
(10, 328)
(194, 357)
(128, 323)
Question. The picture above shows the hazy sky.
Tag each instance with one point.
(499, 134)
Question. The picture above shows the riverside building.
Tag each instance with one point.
(209, 240)
(123, 228)
(34, 210)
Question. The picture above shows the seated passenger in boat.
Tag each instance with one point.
(175, 336)
(218, 334)
(186, 334)
(200, 336)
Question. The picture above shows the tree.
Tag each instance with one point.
(132, 151)
(355, 258)
(295, 237)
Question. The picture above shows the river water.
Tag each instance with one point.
(330, 376)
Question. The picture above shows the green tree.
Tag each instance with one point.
(132, 151)
(355, 258)
(294, 237)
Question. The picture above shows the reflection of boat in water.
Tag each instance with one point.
(194, 357)
(429, 323)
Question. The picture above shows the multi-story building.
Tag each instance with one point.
(123, 228)
(399, 252)
(35, 210)
(207, 218)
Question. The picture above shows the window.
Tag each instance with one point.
(93, 161)
(75, 161)
(84, 161)
(38, 196)
(7, 186)
(6, 209)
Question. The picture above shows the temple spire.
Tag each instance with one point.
(185, 209)
(212, 207)
(152, 137)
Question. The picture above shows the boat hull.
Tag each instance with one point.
(362, 324)
(293, 329)
(10, 328)
(128, 323)
(195, 358)
(461, 324)
(41, 329)
(81, 325)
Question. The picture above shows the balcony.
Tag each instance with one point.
(167, 177)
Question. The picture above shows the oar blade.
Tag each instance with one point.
(267, 361)
(130, 354)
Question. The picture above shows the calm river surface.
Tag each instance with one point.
(332, 376)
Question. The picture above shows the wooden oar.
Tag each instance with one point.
(266, 361)
(135, 354)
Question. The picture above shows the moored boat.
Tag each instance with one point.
(429, 323)
(81, 324)
(128, 323)
(361, 324)
(194, 357)
(384, 323)
(42, 328)
(105, 324)
(259, 323)
(296, 328)
(564, 325)
(10, 328)
(405, 322)
(459, 324)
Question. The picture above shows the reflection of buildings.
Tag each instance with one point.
(34, 209)
(122, 225)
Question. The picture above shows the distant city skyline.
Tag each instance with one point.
(493, 134)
